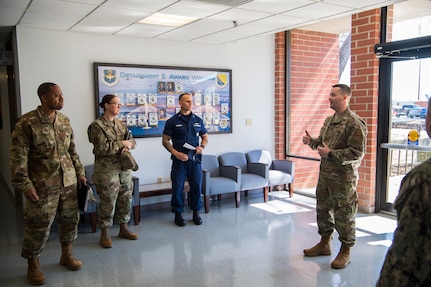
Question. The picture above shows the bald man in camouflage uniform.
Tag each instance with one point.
(408, 261)
(45, 167)
(114, 184)
(341, 146)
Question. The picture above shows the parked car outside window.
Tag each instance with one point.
(419, 112)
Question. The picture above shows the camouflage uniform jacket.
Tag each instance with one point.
(408, 261)
(346, 137)
(107, 139)
(43, 153)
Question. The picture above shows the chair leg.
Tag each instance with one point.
(265, 193)
(237, 198)
(219, 197)
(93, 221)
(290, 190)
(137, 214)
(207, 204)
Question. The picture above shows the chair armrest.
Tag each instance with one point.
(206, 182)
(284, 165)
(232, 172)
(258, 168)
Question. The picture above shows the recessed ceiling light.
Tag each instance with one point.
(167, 20)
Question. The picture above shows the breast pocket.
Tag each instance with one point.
(44, 140)
(180, 130)
(197, 129)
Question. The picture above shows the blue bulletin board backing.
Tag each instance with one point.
(149, 95)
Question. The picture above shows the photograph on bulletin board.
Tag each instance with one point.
(149, 95)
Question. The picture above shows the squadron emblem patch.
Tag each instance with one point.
(110, 78)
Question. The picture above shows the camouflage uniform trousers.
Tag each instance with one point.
(337, 205)
(115, 192)
(40, 215)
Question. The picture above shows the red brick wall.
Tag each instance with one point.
(280, 95)
(364, 84)
(314, 69)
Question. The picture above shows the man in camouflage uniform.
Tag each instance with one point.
(114, 184)
(408, 261)
(341, 146)
(45, 167)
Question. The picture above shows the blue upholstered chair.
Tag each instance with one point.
(217, 180)
(253, 175)
(92, 206)
(281, 172)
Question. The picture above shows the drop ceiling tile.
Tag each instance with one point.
(248, 30)
(209, 25)
(339, 25)
(194, 9)
(102, 26)
(92, 2)
(14, 4)
(144, 30)
(118, 14)
(10, 16)
(142, 5)
(50, 21)
(218, 38)
(183, 34)
(360, 4)
(275, 6)
(241, 16)
(278, 21)
(60, 8)
(317, 11)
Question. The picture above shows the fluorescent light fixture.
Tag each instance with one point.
(167, 20)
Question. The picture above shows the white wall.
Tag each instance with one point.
(66, 58)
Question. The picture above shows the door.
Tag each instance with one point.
(404, 90)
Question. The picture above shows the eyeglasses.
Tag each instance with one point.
(117, 104)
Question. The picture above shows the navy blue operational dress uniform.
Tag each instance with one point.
(185, 129)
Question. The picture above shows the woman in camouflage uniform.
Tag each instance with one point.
(114, 183)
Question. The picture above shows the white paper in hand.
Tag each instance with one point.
(189, 146)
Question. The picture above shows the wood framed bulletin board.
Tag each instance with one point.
(149, 95)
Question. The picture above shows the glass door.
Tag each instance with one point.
(403, 142)
(409, 95)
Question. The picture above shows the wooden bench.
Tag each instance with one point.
(149, 190)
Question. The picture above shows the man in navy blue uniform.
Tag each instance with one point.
(184, 130)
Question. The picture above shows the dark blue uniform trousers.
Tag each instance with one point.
(181, 171)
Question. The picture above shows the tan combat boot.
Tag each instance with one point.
(105, 239)
(342, 259)
(126, 233)
(321, 248)
(34, 273)
(67, 259)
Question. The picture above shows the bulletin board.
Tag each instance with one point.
(149, 95)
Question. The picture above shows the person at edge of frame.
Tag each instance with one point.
(408, 260)
(45, 167)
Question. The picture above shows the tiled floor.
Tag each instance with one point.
(259, 244)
